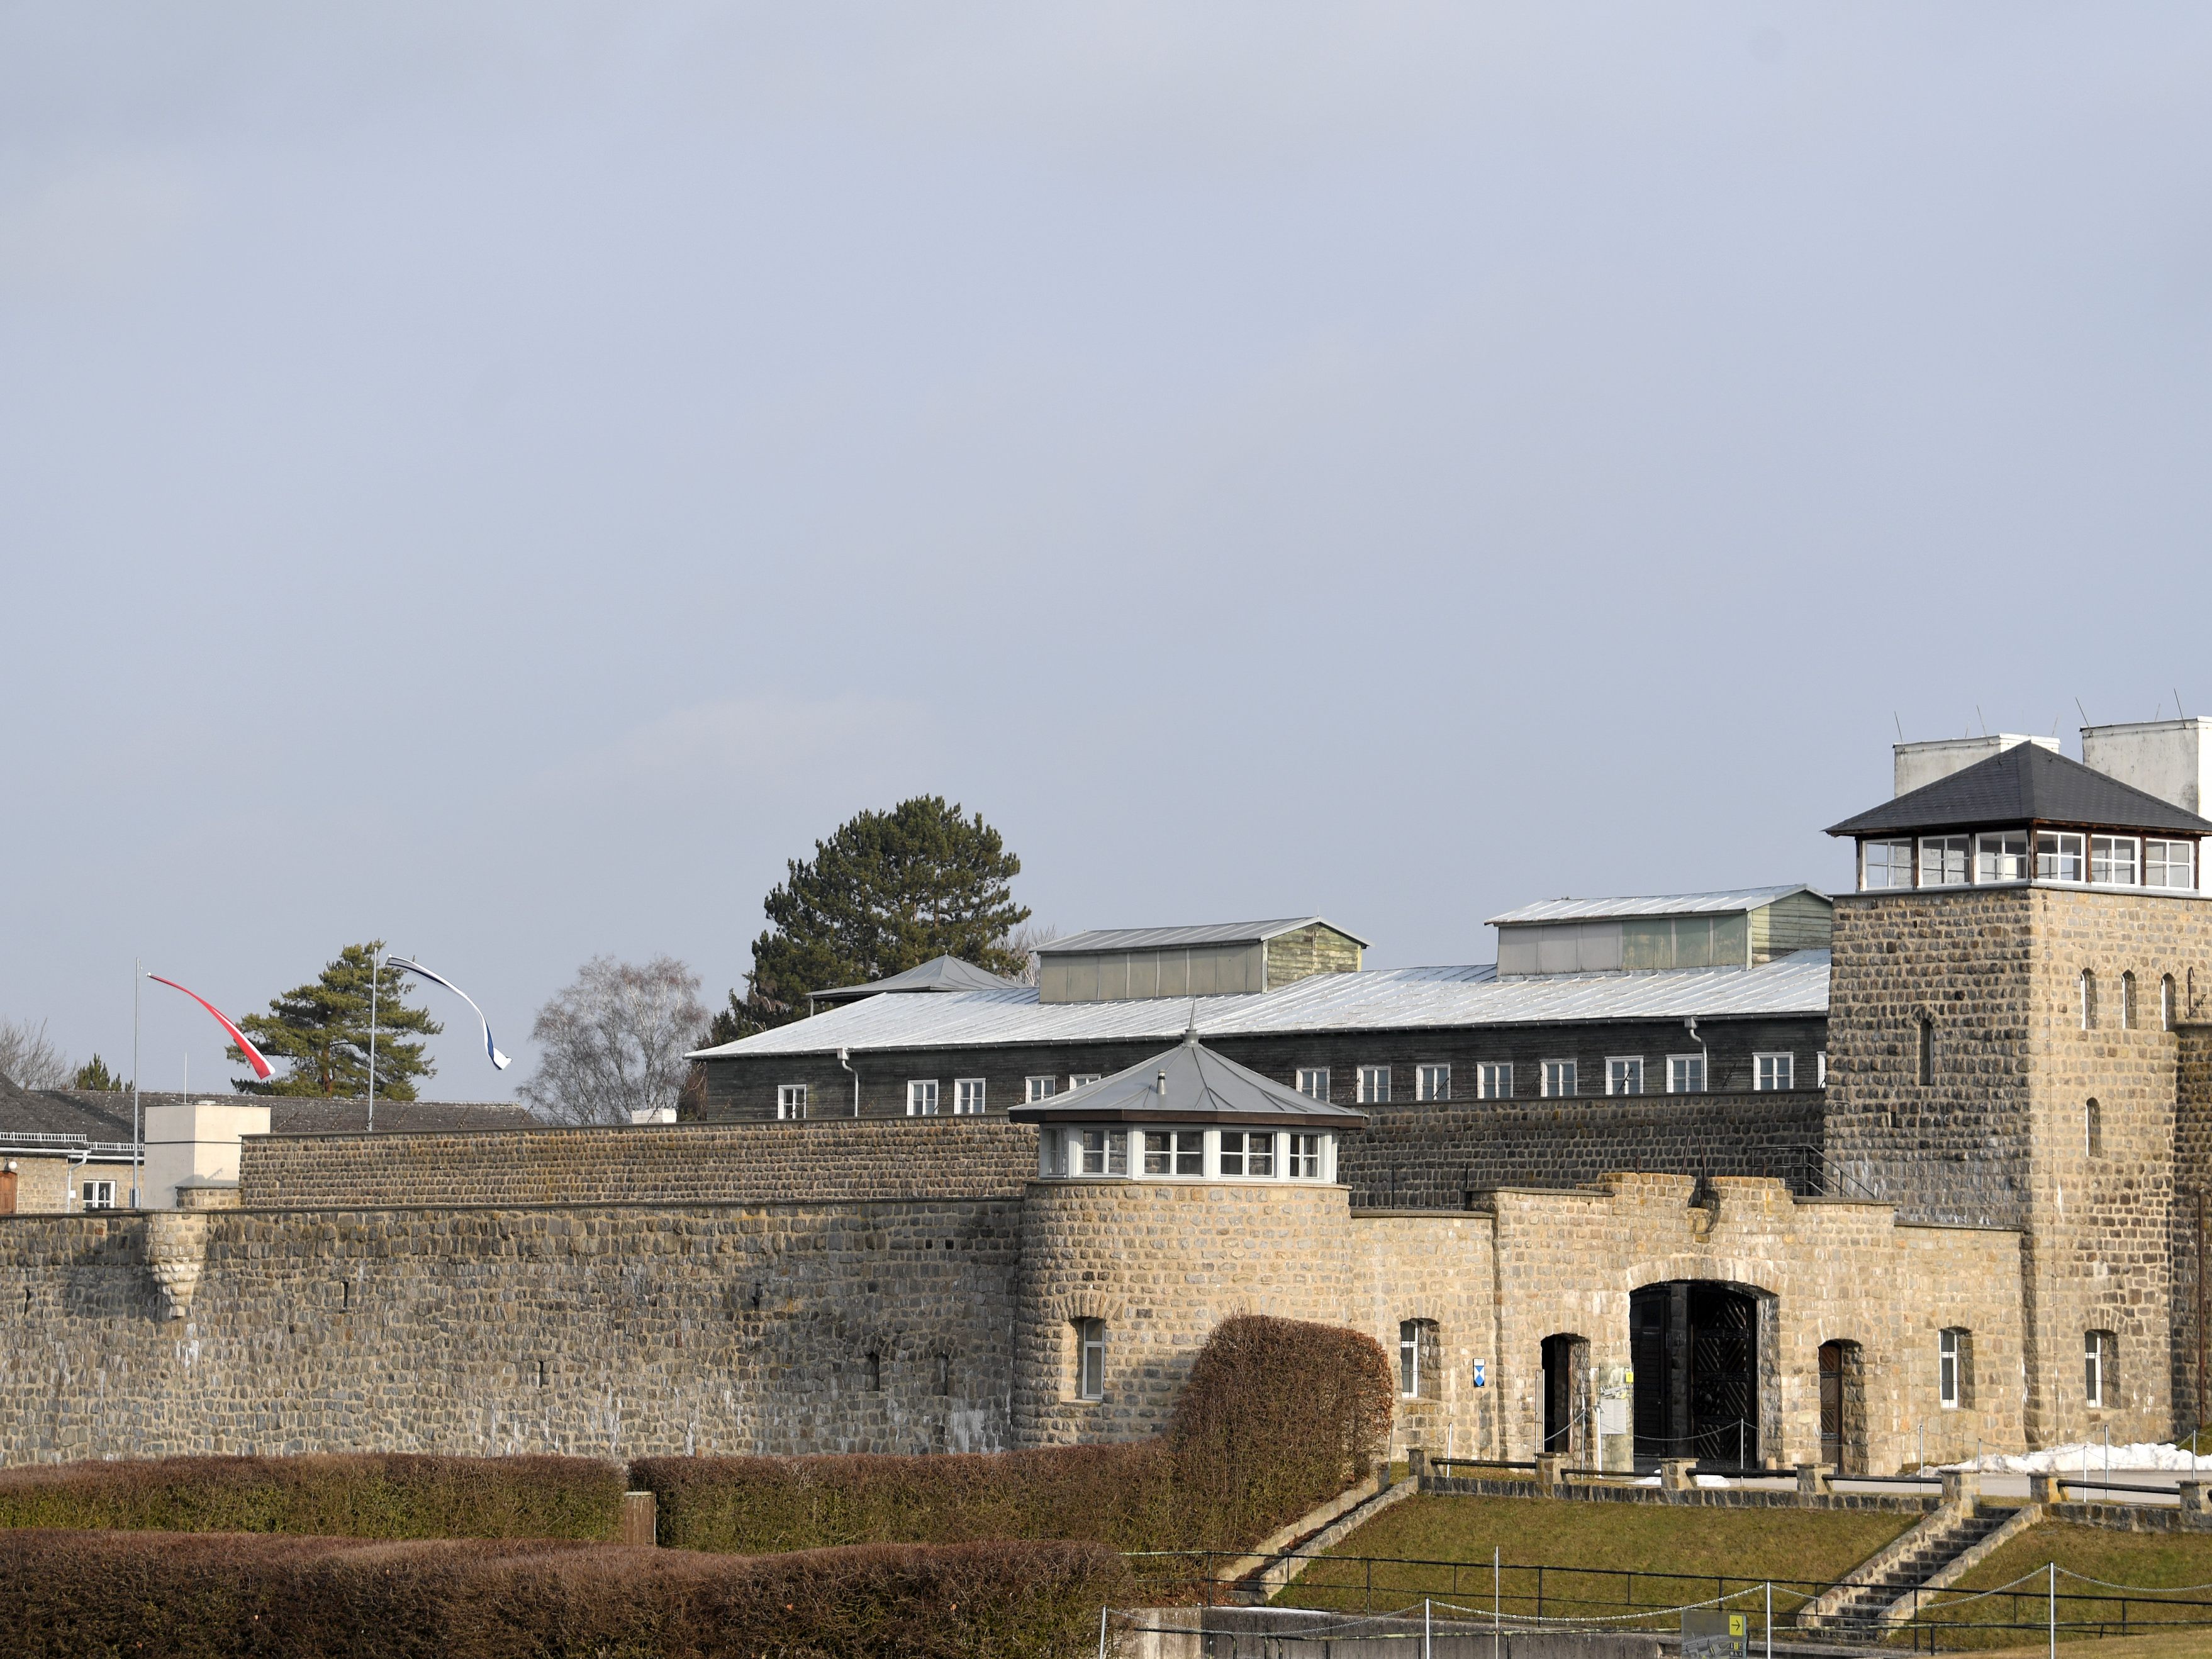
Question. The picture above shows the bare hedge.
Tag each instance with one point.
(353, 1496)
(214, 1596)
(1278, 1416)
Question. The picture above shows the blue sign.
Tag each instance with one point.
(1481, 1379)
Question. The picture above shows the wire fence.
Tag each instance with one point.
(1549, 1596)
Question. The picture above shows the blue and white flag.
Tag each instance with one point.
(490, 1048)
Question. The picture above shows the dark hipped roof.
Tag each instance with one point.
(937, 974)
(98, 1115)
(89, 1114)
(1169, 939)
(2025, 783)
(1189, 1083)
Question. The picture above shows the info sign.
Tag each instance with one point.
(1710, 1633)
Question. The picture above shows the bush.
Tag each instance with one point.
(1278, 1416)
(158, 1594)
(393, 1496)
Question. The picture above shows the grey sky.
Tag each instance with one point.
(505, 477)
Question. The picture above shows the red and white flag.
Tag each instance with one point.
(261, 1067)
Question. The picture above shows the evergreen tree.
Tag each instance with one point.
(94, 1075)
(887, 892)
(320, 1030)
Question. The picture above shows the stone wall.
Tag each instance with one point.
(786, 1327)
(642, 1164)
(1425, 1155)
(2192, 1223)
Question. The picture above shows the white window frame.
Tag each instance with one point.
(1099, 1151)
(1946, 1369)
(2164, 851)
(1621, 1069)
(2107, 851)
(1254, 1147)
(1892, 874)
(1182, 1151)
(2001, 855)
(1374, 1085)
(1951, 853)
(790, 1102)
(2096, 1365)
(2064, 846)
(1678, 1070)
(1312, 1083)
(921, 1096)
(1035, 1088)
(97, 1194)
(1819, 1068)
(968, 1095)
(1773, 1072)
(1493, 1080)
(1431, 1082)
(1082, 1079)
(1414, 1378)
(1089, 1359)
(1556, 1072)
(1306, 1161)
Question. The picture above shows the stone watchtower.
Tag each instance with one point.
(2011, 985)
(1169, 1197)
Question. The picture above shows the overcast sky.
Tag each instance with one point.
(504, 478)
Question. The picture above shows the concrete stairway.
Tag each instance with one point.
(1887, 1590)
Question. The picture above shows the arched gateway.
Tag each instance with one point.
(1694, 1347)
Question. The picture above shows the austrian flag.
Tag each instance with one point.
(261, 1067)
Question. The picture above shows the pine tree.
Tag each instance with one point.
(95, 1075)
(887, 892)
(320, 1030)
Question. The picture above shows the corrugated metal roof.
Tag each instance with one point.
(1664, 904)
(1382, 1000)
(2025, 782)
(1217, 932)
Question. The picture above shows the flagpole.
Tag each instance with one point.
(138, 1130)
(372, 1042)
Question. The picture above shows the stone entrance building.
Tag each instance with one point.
(1990, 1240)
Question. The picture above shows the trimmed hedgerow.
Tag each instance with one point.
(1278, 1416)
(212, 1598)
(364, 1496)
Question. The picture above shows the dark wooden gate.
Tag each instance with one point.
(1694, 1345)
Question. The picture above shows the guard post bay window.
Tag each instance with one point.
(1374, 1085)
(2114, 860)
(1493, 1080)
(1089, 1358)
(1101, 1152)
(2000, 855)
(1686, 1074)
(968, 1096)
(2059, 856)
(1942, 860)
(1305, 1157)
(1623, 1075)
(1558, 1078)
(1774, 1071)
(1175, 1152)
(921, 1097)
(1313, 1082)
(1432, 1083)
(1886, 863)
(790, 1101)
(1250, 1153)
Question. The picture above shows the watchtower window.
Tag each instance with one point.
(2058, 855)
(2170, 864)
(2093, 1127)
(1942, 860)
(2002, 856)
(1927, 1051)
(2114, 860)
(1886, 863)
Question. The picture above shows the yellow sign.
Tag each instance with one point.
(1739, 1624)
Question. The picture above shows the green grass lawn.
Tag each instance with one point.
(1678, 1554)
(2169, 1561)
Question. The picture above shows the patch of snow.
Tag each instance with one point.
(1711, 1480)
(2087, 1458)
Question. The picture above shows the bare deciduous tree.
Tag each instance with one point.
(613, 1041)
(1023, 942)
(28, 1058)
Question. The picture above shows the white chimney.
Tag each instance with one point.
(1921, 763)
(2171, 759)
